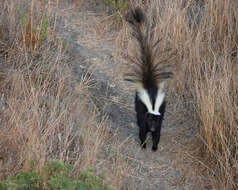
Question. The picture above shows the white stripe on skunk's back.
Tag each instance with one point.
(159, 99)
(144, 97)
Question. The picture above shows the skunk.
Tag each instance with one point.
(149, 73)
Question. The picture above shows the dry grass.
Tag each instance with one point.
(45, 115)
(205, 35)
(209, 62)
(39, 121)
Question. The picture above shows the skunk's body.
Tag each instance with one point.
(150, 121)
(149, 74)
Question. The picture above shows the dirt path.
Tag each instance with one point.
(92, 45)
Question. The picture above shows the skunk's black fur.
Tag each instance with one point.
(147, 121)
(149, 72)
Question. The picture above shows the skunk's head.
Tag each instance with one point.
(152, 121)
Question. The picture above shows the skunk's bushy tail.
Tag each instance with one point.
(148, 67)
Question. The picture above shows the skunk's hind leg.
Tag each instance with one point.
(155, 139)
(142, 135)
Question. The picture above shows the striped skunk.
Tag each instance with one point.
(149, 74)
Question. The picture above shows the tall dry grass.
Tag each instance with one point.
(204, 33)
(45, 113)
(42, 107)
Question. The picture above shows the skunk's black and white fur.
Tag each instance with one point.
(149, 73)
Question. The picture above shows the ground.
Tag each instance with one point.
(92, 46)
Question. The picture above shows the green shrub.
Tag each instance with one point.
(23, 181)
(92, 181)
(56, 175)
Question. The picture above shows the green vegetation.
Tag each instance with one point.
(55, 176)
(44, 28)
(120, 5)
(23, 181)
